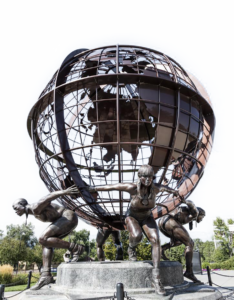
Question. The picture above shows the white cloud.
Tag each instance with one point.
(214, 175)
(222, 158)
(227, 208)
(231, 172)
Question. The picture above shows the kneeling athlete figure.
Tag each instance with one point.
(63, 222)
(172, 226)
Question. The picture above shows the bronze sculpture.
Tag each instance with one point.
(139, 217)
(63, 221)
(172, 226)
(107, 111)
(102, 236)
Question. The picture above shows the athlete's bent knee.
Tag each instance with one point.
(43, 240)
(136, 237)
(154, 241)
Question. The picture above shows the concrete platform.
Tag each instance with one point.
(193, 292)
(97, 281)
(96, 276)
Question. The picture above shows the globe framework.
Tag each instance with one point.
(109, 110)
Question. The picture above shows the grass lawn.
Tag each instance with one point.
(15, 288)
(22, 287)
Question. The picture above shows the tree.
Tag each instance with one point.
(109, 249)
(58, 255)
(223, 236)
(144, 250)
(176, 254)
(125, 242)
(221, 254)
(24, 233)
(35, 255)
(12, 251)
(199, 245)
(93, 250)
(79, 237)
(1, 234)
(208, 251)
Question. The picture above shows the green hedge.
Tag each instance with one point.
(226, 265)
(6, 278)
(23, 278)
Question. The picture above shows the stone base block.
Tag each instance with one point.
(97, 280)
(105, 275)
(191, 293)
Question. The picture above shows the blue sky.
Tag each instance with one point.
(37, 35)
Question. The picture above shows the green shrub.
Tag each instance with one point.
(217, 265)
(20, 279)
(205, 264)
(6, 274)
(228, 264)
(35, 277)
(6, 278)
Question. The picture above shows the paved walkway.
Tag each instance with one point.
(11, 294)
(220, 279)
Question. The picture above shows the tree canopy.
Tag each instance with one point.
(224, 239)
(24, 233)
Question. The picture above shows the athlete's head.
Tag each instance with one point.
(146, 175)
(201, 214)
(20, 206)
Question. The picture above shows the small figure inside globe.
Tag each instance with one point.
(172, 226)
(63, 221)
(139, 217)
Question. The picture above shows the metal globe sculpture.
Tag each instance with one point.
(109, 110)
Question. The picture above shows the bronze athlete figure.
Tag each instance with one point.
(172, 226)
(139, 218)
(63, 221)
(102, 236)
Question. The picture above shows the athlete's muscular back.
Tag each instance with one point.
(183, 215)
(50, 213)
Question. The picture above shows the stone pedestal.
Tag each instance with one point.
(97, 280)
(94, 276)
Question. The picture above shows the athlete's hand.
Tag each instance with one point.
(72, 190)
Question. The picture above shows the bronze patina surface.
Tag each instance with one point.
(101, 238)
(62, 220)
(172, 227)
(109, 110)
(139, 217)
